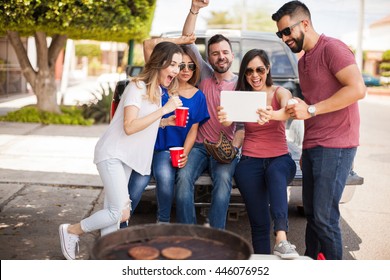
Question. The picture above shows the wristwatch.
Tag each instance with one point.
(312, 110)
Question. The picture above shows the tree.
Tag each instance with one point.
(53, 22)
(256, 19)
(385, 65)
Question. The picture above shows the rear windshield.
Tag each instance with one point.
(281, 66)
(280, 62)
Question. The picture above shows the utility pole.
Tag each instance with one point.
(244, 17)
(359, 48)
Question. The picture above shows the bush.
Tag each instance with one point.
(70, 115)
(386, 74)
(88, 50)
(384, 66)
(99, 108)
(386, 56)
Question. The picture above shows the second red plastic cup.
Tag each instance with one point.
(175, 155)
(181, 116)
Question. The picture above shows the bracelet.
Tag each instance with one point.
(194, 12)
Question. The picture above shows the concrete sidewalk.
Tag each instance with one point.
(47, 177)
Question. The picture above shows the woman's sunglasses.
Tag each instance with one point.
(259, 70)
(191, 66)
(287, 30)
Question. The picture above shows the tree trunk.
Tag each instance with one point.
(41, 80)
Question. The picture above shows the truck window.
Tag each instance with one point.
(280, 62)
(201, 43)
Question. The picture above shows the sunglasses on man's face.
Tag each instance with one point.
(191, 66)
(287, 30)
(259, 70)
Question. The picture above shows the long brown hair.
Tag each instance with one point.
(160, 58)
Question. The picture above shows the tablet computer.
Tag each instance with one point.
(241, 106)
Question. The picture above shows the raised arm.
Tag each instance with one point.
(149, 44)
(189, 24)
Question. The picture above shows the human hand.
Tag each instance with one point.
(297, 111)
(183, 160)
(222, 116)
(187, 39)
(172, 104)
(198, 4)
(265, 115)
(171, 120)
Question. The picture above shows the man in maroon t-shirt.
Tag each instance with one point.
(331, 84)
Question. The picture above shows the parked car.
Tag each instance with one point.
(119, 89)
(370, 80)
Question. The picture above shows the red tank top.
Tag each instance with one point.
(268, 140)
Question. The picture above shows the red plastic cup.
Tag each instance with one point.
(175, 155)
(181, 116)
(321, 256)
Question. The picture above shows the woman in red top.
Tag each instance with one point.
(266, 167)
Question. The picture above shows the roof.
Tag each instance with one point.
(381, 22)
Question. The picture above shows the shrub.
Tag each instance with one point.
(385, 74)
(99, 108)
(70, 115)
(386, 56)
(384, 66)
(88, 50)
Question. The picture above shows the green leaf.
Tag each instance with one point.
(102, 20)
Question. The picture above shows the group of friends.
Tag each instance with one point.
(136, 144)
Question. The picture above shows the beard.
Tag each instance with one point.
(224, 69)
(298, 43)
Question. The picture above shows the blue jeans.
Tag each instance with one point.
(263, 185)
(164, 173)
(325, 172)
(136, 186)
(221, 176)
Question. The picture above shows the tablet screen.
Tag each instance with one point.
(241, 106)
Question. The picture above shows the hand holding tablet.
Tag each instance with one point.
(241, 106)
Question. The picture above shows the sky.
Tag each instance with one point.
(336, 18)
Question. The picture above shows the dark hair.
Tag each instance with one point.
(292, 9)
(196, 74)
(242, 83)
(216, 39)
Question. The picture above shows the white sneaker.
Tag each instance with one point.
(285, 250)
(69, 242)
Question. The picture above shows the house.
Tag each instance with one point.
(377, 42)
